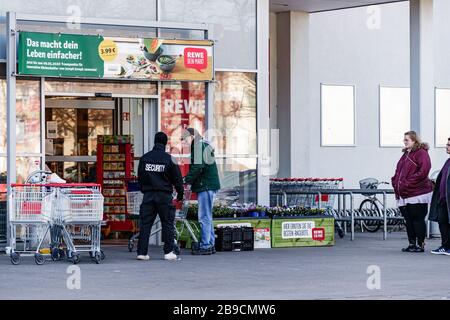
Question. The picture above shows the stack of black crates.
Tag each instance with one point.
(234, 239)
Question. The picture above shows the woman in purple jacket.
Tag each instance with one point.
(413, 189)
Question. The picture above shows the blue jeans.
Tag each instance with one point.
(205, 206)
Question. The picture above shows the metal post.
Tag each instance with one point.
(344, 202)
(385, 217)
(43, 136)
(320, 199)
(10, 109)
(285, 198)
(352, 217)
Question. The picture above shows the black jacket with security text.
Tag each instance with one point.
(159, 172)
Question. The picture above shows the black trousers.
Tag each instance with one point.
(416, 227)
(444, 225)
(156, 203)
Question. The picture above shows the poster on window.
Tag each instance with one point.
(182, 106)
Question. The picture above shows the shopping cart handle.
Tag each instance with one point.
(57, 185)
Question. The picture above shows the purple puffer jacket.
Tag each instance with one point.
(411, 176)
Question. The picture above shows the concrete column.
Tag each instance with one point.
(284, 91)
(263, 122)
(422, 75)
(293, 93)
(300, 95)
(422, 68)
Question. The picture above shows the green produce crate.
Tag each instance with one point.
(185, 239)
(313, 231)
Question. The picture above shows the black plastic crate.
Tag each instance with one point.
(248, 234)
(248, 246)
(237, 234)
(234, 239)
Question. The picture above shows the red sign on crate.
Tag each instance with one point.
(318, 234)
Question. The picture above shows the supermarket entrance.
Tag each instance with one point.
(72, 125)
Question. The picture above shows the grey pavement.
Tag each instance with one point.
(338, 272)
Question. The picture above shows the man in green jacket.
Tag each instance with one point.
(204, 180)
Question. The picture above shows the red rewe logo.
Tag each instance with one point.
(196, 58)
(318, 234)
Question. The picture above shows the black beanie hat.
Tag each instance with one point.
(161, 138)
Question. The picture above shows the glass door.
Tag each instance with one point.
(71, 128)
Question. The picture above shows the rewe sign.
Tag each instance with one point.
(196, 58)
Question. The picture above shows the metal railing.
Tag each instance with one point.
(343, 196)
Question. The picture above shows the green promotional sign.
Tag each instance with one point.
(65, 55)
(71, 55)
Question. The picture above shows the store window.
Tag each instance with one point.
(115, 9)
(28, 115)
(28, 129)
(77, 130)
(442, 117)
(238, 179)
(235, 136)
(2, 116)
(395, 118)
(182, 105)
(233, 22)
(235, 113)
(25, 166)
(338, 115)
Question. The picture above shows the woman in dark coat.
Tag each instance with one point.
(413, 189)
(439, 210)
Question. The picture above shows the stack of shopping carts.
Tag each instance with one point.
(30, 220)
(299, 185)
(78, 213)
(71, 213)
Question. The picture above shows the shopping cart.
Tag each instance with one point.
(135, 199)
(78, 212)
(181, 217)
(30, 212)
(295, 195)
(297, 185)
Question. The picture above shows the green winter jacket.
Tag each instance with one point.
(203, 174)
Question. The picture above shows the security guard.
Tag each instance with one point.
(158, 173)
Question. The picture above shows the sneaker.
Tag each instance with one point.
(143, 258)
(170, 256)
(440, 250)
(420, 248)
(213, 250)
(447, 252)
(410, 248)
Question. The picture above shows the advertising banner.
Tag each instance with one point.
(69, 55)
(182, 106)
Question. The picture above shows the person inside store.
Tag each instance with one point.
(203, 177)
(439, 210)
(413, 189)
(158, 175)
